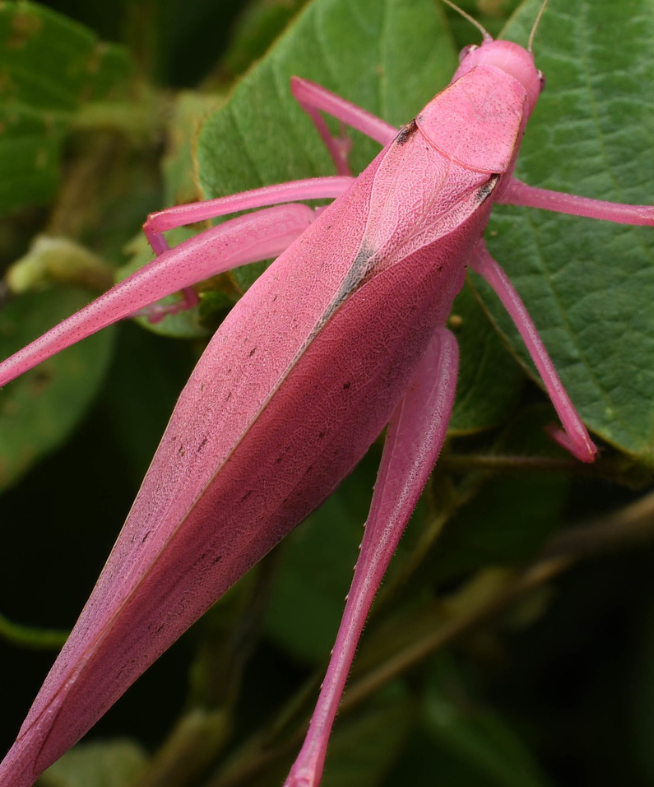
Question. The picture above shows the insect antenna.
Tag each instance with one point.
(535, 27)
(487, 36)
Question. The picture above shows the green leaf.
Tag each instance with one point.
(461, 742)
(389, 57)
(180, 186)
(502, 525)
(589, 285)
(180, 178)
(41, 409)
(491, 14)
(49, 67)
(259, 24)
(490, 380)
(508, 521)
(364, 747)
(146, 378)
(117, 763)
(30, 145)
(480, 746)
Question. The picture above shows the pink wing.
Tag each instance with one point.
(292, 390)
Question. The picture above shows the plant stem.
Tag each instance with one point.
(604, 468)
(31, 637)
(141, 120)
(628, 526)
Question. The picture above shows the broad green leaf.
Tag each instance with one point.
(30, 145)
(364, 747)
(180, 186)
(40, 409)
(389, 57)
(491, 14)
(116, 763)
(512, 516)
(589, 285)
(140, 394)
(502, 525)
(180, 178)
(489, 382)
(259, 24)
(462, 742)
(49, 67)
(476, 747)
(476, 738)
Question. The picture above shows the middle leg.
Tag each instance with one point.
(315, 99)
(574, 436)
(519, 193)
(240, 241)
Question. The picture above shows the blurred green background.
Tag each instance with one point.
(513, 643)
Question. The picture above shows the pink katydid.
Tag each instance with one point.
(328, 310)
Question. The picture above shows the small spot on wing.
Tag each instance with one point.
(406, 132)
(487, 189)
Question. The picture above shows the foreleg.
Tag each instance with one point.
(415, 436)
(574, 437)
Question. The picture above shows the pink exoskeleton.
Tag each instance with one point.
(343, 335)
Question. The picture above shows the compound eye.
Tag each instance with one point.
(466, 51)
(541, 77)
